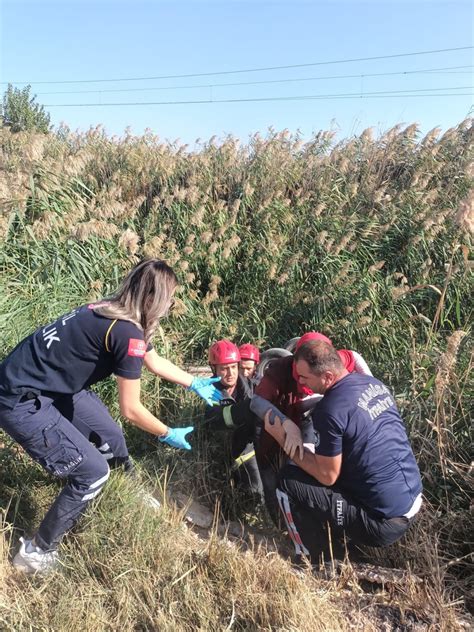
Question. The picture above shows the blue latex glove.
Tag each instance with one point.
(204, 387)
(176, 437)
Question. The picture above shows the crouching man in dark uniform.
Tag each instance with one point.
(293, 402)
(233, 412)
(362, 482)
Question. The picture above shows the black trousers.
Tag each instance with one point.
(245, 470)
(319, 519)
(244, 464)
(73, 438)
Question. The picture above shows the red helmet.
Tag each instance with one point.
(249, 352)
(312, 335)
(223, 352)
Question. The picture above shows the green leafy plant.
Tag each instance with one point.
(21, 112)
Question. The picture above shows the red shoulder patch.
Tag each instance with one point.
(136, 348)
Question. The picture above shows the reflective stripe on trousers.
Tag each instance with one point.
(284, 503)
(97, 486)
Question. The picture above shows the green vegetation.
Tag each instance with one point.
(21, 112)
(366, 240)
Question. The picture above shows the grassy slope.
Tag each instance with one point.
(366, 241)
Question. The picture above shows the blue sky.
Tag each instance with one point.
(71, 40)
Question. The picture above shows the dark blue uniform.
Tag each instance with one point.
(379, 488)
(46, 407)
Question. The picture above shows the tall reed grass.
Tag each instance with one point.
(367, 239)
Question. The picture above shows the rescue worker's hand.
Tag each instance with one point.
(204, 387)
(274, 426)
(293, 440)
(176, 437)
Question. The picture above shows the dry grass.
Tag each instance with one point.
(128, 567)
(132, 569)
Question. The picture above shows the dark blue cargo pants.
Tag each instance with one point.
(74, 438)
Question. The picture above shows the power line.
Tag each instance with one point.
(452, 72)
(233, 72)
(302, 98)
(382, 94)
(254, 83)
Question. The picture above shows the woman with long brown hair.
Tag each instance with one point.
(47, 407)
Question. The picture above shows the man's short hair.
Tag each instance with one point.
(320, 357)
